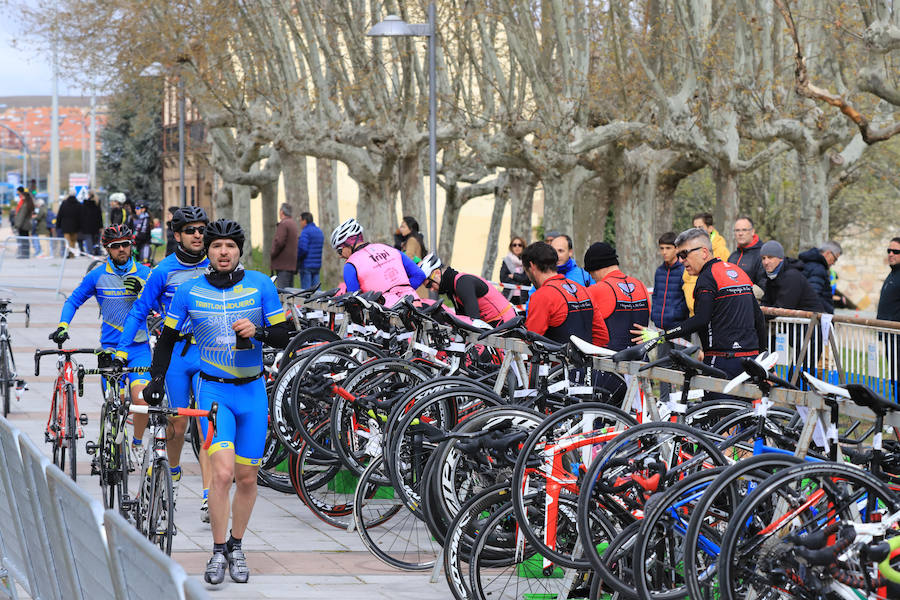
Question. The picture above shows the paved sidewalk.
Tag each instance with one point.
(291, 553)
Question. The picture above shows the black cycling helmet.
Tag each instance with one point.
(116, 233)
(224, 229)
(188, 214)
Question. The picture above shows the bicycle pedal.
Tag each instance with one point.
(91, 448)
(83, 418)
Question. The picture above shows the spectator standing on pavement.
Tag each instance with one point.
(559, 307)
(704, 221)
(668, 307)
(171, 243)
(91, 225)
(726, 313)
(512, 272)
(283, 255)
(142, 227)
(746, 255)
(117, 213)
(889, 310)
(408, 239)
(39, 226)
(787, 287)
(817, 263)
(309, 251)
(68, 221)
(22, 221)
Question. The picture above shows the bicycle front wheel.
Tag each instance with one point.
(71, 438)
(159, 526)
(5, 375)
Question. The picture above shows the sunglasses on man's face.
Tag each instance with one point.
(684, 253)
(192, 230)
(118, 245)
(893, 251)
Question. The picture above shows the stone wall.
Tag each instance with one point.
(863, 266)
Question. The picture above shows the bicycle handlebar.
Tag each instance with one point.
(146, 409)
(39, 353)
(111, 372)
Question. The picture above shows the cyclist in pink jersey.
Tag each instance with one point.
(472, 296)
(373, 266)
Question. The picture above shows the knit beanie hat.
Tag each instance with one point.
(772, 248)
(600, 255)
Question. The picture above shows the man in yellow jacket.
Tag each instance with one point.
(704, 221)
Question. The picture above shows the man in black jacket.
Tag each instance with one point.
(746, 255)
(68, 221)
(817, 263)
(889, 310)
(787, 287)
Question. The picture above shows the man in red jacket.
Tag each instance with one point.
(621, 300)
(559, 307)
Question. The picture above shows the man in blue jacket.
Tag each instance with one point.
(309, 251)
(817, 263)
(668, 308)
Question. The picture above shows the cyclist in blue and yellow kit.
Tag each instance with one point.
(186, 263)
(232, 312)
(116, 285)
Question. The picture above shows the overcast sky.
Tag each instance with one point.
(24, 73)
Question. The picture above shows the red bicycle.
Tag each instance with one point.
(64, 425)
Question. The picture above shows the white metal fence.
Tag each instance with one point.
(58, 543)
(837, 349)
(26, 260)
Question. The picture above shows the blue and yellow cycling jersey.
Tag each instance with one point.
(212, 312)
(107, 283)
(164, 280)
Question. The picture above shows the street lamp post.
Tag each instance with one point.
(393, 25)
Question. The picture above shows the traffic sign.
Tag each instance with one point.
(79, 183)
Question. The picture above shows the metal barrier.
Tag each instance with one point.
(80, 518)
(57, 251)
(837, 348)
(55, 567)
(56, 541)
(144, 571)
(41, 580)
(13, 561)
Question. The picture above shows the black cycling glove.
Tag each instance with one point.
(60, 335)
(155, 392)
(133, 284)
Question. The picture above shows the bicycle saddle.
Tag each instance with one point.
(448, 318)
(321, 295)
(824, 388)
(589, 348)
(513, 323)
(637, 352)
(764, 361)
(865, 396)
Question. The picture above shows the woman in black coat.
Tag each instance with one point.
(91, 225)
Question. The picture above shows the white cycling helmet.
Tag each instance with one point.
(117, 197)
(430, 264)
(345, 231)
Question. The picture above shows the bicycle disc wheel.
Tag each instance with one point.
(159, 526)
